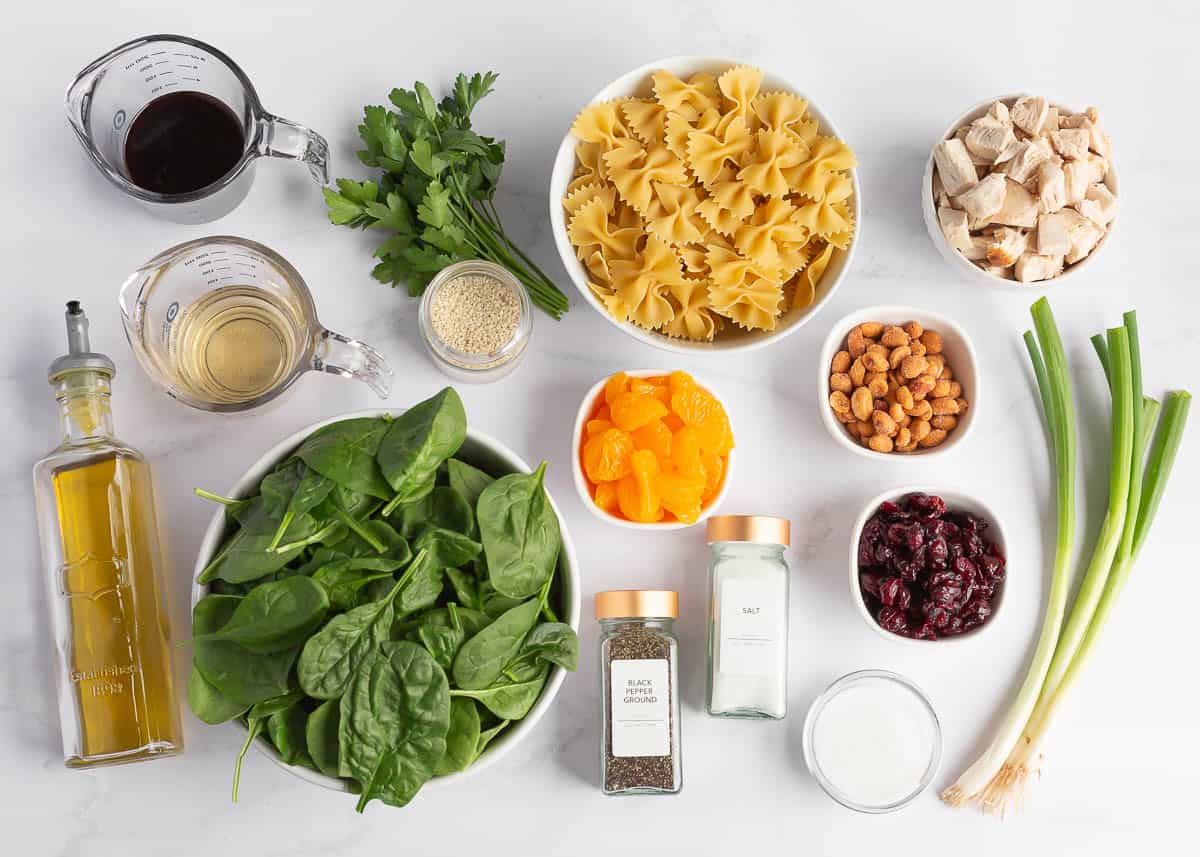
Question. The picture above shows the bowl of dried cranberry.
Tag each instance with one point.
(928, 565)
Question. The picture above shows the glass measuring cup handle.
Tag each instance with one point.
(352, 359)
(282, 138)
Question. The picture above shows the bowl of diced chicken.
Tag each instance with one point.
(1021, 191)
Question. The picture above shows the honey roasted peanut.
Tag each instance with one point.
(891, 385)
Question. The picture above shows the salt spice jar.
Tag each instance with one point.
(748, 616)
(639, 691)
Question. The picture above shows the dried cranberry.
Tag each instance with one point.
(894, 593)
(946, 596)
(883, 553)
(991, 567)
(954, 626)
(937, 615)
(965, 567)
(918, 501)
(972, 544)
(977, 611)
(939, 552)
(869, 581)
(897, 534)
(892, 619)
(888, 508)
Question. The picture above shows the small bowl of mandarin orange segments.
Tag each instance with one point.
(653, 450)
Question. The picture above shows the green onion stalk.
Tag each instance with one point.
(1136, 485)
(1050, 368)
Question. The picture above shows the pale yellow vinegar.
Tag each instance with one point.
(235, 344)
(119, 658)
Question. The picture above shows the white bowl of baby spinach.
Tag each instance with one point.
(388, 600)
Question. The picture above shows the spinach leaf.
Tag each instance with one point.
(554, 642)
(256, 724)
(442, 507)
(351, 509)
(442, 642)
(287, 731)
(394, 719)
(344, 580)
(275, 616)
(333, 655)
(310, 490)
(278, 486)
(449, 549)
(421, 584)
(496, 604)
(462, 739)
(520, 533)
(466, 587)
(321, 737)
(246, 555)
(482, 658)
(486, 736)
(345, 453)
(468, 481)
(418, 441)
(240, 675)
(508, 700)
(209, 615)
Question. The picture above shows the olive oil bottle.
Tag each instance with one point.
(102, 562)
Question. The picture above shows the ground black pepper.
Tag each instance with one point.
(634, 641)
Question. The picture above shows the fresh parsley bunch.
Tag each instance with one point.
(435, 194)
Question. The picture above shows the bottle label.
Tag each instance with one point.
(749, 614)
(641, 707)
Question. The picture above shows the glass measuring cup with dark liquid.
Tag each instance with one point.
(176, 124)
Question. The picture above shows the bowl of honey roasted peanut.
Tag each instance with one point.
(897, 381)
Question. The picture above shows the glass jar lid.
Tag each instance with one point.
(764, 529)
(643, 603)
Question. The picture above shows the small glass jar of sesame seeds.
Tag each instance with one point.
(475, 320)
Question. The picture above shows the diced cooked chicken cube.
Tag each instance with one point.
(979, 247)
(1020, 207)
(1099, 167)
(1032, 267)
(1029, 114)
(954, 227)
(989, 138)
(940, 197)
(1051, 123)
(995, 270)
(999, 112)
(1006, 246)
(1071, 143)
(1084, 239)
(954, 165)
(1029, 154)
(1078, 177)
(1051, 186)
(983, 200)
(1099, 205)
(1098, 141)
(1055, 232)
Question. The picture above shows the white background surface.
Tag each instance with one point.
(1124, 757)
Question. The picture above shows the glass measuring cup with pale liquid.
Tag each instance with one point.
(226, 324)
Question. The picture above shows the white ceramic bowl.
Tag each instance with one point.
(581, 484)
(957, 260)
(637, 83)
(478, 449)
(960, 357)
(956, 501)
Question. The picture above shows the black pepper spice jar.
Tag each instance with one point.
(639, 689)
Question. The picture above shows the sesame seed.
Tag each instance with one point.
(475, 314)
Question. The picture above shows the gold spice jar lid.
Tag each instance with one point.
(764, 529)
(628, 603)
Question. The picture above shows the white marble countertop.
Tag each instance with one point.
(1122, 771)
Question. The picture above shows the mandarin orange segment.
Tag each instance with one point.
(680, 495)
(714, 473)
(606, 457)
(685, 453)
(595, 427)
(631, 411)
(603, 413)
(615, 386)
(656, 437)
(698, 408)
(680, 381)
(637, 496)
(655, 387)
(606, 497)
(673, 422)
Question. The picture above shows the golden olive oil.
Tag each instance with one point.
(118, 652)
(235, 343)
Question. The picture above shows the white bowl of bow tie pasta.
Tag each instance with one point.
(702, 204)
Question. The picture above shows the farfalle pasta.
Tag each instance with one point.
(707, 206)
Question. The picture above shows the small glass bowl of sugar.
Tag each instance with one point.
(475, 321)
(872, 741)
